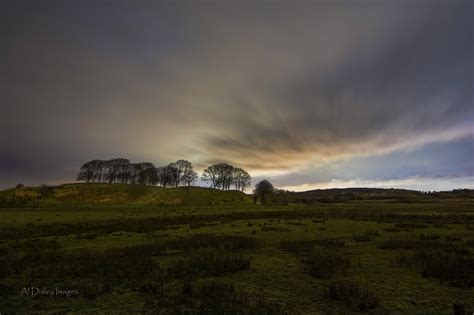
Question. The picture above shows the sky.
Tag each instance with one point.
(308, 94)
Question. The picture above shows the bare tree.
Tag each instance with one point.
(89, 171)
(183, 169)
(147, 174)
(241, 179)
(114, 168)
(219, 175)
(167, 175)
(211, 174)
(190, 178)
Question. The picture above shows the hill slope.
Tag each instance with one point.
(122, 194)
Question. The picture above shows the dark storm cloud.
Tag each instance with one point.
(276, 87)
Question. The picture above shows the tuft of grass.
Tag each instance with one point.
(301, 246)
(208, 265)
(353, 295)
(92, 273)
(411, 225)
(429, 237)
(417, 244)
(455, 269)
(326, 264)
(371, 233)
(393, 229)
(227, 242)
(361, 237)
(275, 229)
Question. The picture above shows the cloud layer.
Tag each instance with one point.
(285, 90)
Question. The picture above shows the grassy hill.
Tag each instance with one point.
(125, 194)
(122, 194)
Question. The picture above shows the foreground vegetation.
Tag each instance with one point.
(382, 256)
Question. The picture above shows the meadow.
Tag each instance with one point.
(198, 250)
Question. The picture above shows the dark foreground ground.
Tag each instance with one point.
(372, 256)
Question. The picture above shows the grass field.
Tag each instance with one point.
(161, 252)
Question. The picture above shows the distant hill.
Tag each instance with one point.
(346, 194)
(122, 194)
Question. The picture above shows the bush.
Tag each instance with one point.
(429, 237)
(228, 242)
(218, 297)
(393, 229)
(411, 225)
(416, 244)
(441, 226)
(45, 191)
(93, 272)
(325, 265)
(453, 268)
(275, 229)
(371, 233)
(351, 294)
(306, 245)
(208, 265)
(452, 238)
(360, 237)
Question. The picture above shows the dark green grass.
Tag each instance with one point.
(414, 258)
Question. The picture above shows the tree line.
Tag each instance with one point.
(180, 173)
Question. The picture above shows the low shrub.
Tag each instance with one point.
(453, 268)
(228, 242)
(411, 225)
(440, 226)
(275, 229)
(208, 265)
(296, 223)
(371, 233)
(452, 238)
(393, 229)
(351, 294)
(93, 272)
(429, 237)
(417, 244)
(361, 237)
(327, 264)
(299, 246)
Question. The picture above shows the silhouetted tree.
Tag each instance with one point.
(135, 169)
(190, 178)
(263, 190)
(182, 170)
(219, 175)
(223, 175)
(89, 171)
(120, 170)
(167, 175)
(149, 176)
(147, 173)
(124, 171)
(211, 174)
(100, 168)
(241, 179)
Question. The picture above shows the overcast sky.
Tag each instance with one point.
(309, 94)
